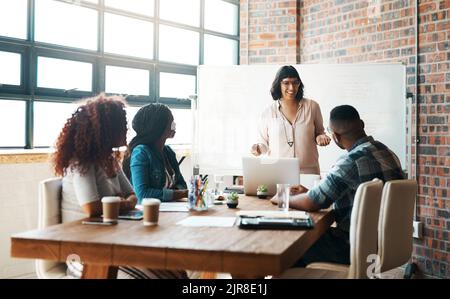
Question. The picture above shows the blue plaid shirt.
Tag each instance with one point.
(366, 160)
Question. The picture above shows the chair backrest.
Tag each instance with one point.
(49, 214)
(363, 227)
(395, 229)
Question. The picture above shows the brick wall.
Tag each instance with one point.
(355, 31)
(269, 31)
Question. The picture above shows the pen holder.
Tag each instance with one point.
(198, 199)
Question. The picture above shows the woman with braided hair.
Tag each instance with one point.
(150, 164)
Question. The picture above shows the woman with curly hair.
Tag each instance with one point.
(91, 168)
(87, 162)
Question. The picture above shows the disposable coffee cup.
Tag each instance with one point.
(151, 211)
(111, 206)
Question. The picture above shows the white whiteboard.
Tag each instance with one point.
(232, 98)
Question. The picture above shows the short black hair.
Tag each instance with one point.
(344, 113)
(287, 71)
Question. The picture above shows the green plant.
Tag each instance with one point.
(233, 196)
(262, 188)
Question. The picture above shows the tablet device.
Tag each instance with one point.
(97, 221)
(132, 215)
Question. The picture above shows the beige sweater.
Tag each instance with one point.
(275, 133)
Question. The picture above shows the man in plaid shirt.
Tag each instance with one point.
(365, 160)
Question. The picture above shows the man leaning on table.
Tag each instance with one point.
(365, 160)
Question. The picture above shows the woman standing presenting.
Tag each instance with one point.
(292, 126)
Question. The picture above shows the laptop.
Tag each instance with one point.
(270, 172)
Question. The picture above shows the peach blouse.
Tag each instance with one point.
(279, 138)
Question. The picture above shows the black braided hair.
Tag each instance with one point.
(149, 123)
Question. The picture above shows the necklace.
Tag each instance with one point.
(290, 143)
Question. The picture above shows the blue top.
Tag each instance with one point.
(148, 174)
(366, 160)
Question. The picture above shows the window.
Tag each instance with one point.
(178, 45)
(176, 85)
(144, 7)
(10, 68)
(12, 116)
(131, 112)
(117, 81)
(127, 36)
(49, 119)
(13, 18)
(55, 52)
(183, 119)
(187, 12)
(66, 24)
(221, 16)
(64, 74)
(220, 51)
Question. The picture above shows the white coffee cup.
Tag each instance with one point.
(151, 211)
(111, 206)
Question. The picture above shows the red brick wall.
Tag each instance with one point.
(271, 34)
(354, 31)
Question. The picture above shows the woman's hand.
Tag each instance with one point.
(323, 140)
(256, 149)
(180, 194)
(128, 203)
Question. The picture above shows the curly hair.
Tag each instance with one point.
(89, 136)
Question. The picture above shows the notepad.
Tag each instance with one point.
(207, 221)
(274, 214)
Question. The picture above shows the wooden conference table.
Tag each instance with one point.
(243, 253)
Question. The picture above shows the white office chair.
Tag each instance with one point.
(363, 238)
(395, 230)
(49, 213)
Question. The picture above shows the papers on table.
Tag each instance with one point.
(173, 207)
(274, 214)
(207, 221)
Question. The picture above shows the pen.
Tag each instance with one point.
(181, 160)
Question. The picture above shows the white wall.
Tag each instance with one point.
(18, 211)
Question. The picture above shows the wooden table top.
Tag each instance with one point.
(170, 246)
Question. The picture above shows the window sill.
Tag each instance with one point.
(42, 155)
(25, 156)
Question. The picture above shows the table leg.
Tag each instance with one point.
(99, 272)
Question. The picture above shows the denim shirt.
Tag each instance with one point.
(148, 174)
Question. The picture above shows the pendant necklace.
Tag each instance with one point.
(290, 143)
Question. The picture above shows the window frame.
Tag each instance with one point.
(30, 50)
